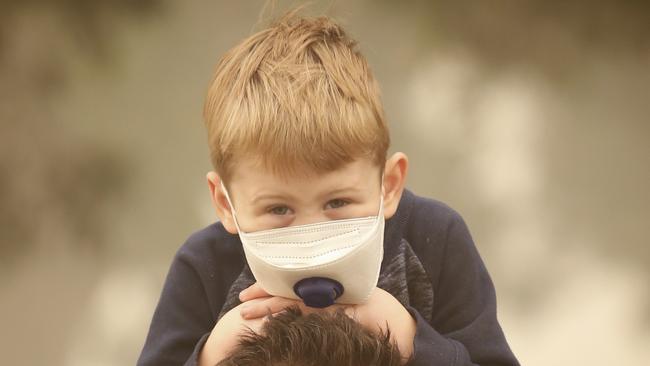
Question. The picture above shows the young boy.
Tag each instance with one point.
(298, 137)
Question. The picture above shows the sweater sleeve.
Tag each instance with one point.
(464, 329)
(181, 322)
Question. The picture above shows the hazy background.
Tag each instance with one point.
(531, 118)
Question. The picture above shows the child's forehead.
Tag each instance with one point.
(251, 173)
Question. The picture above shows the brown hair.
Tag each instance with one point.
(297, 97)
(317, 339)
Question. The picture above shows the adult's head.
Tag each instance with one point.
(292, 338)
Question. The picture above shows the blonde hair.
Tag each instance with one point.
(297, 97)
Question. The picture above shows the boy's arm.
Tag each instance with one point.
(182, 320)
(464, 329)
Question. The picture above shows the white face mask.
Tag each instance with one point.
(322, 263)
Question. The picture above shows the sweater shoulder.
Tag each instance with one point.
(429, 211)
(427, 225)
(209, 242)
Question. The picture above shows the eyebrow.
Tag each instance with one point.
(351, 189)
(269, 196)
(280, 196)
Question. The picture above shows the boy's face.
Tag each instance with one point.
(263, 200)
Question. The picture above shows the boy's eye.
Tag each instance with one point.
(336, 203)
(279, 210)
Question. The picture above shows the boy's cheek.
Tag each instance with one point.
(264, 222)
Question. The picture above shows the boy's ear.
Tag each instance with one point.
(394, 181)
(220, 202)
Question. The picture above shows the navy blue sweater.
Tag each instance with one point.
(430, 265)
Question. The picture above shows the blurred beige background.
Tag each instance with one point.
(528, 117)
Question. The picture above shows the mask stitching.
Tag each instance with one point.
(305, 231)
(307, 257)
(298, 243)
(336, 261)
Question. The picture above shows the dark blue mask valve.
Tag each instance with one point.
(318, 292)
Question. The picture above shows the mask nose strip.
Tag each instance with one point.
(318, 292)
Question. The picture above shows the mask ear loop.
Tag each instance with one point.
(232, 207)
(381, 199)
